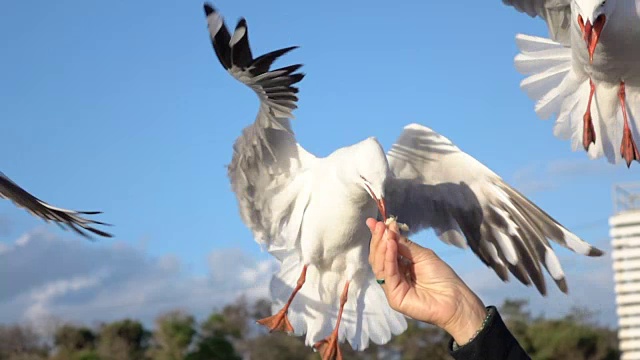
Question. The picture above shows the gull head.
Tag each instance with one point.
(592, 17)
(371, 171)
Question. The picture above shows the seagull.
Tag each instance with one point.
(588, 72)
(310, 212)
(68, 219)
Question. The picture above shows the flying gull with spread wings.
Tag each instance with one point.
(587, 73)
(310, 212)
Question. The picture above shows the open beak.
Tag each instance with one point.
(591, 33)
(382, 208)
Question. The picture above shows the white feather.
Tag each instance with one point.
(553, 264)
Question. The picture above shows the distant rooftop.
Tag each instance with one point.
(626, 197)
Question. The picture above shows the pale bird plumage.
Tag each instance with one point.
(65, 218)
(310, 211)
(559, 71)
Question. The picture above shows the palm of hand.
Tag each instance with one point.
(427, 289)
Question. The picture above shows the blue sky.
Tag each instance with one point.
(122, 107)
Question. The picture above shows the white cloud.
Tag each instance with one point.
(45, 278)
(49, 278)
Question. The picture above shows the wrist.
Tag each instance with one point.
(468, 318)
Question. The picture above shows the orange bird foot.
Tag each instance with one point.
(277, 322)
(329, 348)
(628, 148)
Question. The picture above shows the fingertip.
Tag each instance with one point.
(371, 223)
(380, 227)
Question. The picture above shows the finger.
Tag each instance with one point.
(371, 224)
(378, 257)
(378, 232)
(408, 248)
(393, 226)
(392, 276)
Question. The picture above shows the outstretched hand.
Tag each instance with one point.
(422, 286)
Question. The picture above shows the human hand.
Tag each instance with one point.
(421, 285)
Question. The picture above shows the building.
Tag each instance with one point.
(625, 241)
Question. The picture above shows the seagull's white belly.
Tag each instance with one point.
(337, 239)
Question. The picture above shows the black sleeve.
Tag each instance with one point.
(494, 342)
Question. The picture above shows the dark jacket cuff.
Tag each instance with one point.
(494, 342)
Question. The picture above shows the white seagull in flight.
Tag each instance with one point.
(65, 218)
(588, 73)
(310, 212)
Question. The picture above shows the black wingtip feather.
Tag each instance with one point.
(208, 9)
(594, 252)
(562, 285)
(263, 63)
(219, 40)
(241, 51)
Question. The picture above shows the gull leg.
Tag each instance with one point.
(280, 321)
(628, 148)
(588, 133)
(329, 348)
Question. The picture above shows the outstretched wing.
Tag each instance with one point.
(267, 171)
(557, 14)
(438, 186)
(63, 217)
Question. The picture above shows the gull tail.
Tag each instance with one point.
(274, 87)
(367, 314)
(559, 90)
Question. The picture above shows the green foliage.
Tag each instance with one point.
(214, 348)
(71, 338)
(123, 340)
(173, 335)
(231, 334)
(573, 337)
(21, 342)
(85, 355)
(421, 339)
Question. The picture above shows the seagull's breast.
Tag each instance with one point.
(335, 221)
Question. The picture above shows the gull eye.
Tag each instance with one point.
(603, 3)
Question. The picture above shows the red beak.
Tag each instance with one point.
(591, 33)
(382, 207)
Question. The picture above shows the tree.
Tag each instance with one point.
(214, 348)
(72, 342)
(420, 339)
(565, 339)
(21, 341)
(231, 321)
(574, 337)
(74, 338)
(279, 346)
(173, 334)
(123, 340)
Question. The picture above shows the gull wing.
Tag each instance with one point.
(65, 218)
(268, 171)
(557, 14)
(436, 185)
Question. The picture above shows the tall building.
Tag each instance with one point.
(625, 240)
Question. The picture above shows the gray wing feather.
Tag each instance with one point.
(65, 218)
(436, 185)
(267, 168)
(557, 14)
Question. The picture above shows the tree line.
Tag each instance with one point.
(231, 334)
